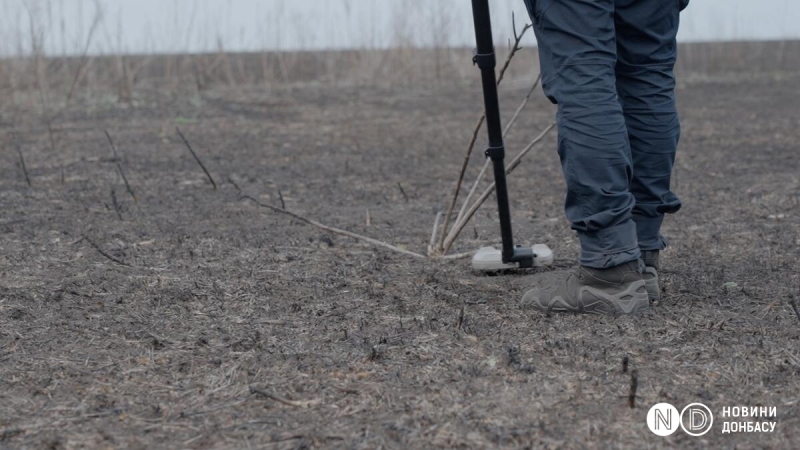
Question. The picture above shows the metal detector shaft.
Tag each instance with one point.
(486, 60)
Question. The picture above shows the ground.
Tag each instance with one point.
(194, 318)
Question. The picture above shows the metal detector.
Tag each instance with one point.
(510, 257)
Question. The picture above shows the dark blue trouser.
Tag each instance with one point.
(608, 64)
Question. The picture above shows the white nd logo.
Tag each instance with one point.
(663, 419)
(696, 419)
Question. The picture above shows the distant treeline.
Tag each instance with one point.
(123, 75)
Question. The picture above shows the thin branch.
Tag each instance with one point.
(476, 131)
(509, 168)
(18, 146)
(280, 197)
(487, 163)
(334, 230)
(522, 106)
(115, 204)
(98, 17)
(103, 253)
(402, 191)
(632, 390)
(196, 158)
(463, 170)
(119, 166)
(50, 134)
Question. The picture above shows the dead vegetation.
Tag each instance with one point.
(194, 318)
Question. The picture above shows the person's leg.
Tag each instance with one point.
(577, 51)
(646, 54)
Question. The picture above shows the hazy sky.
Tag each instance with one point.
(201, 25)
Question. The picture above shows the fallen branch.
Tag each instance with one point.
(514, 49)
(334, 230)
(487, 163)
(18, 146)
(196, 158)
(457, 228)
(119, 166)
(287, 402)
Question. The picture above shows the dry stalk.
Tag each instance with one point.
(84, 59)
(487, 163)
(458, 227)
(119, 166)
(433, 233)
(633, 387)
(196, 158)
(18, 146)
(514, 49)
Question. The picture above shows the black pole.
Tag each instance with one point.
(486, 61)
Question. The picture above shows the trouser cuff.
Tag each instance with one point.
(648, 230)
(609, 247)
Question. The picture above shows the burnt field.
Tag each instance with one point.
(191, 317)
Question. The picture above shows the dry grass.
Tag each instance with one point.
(229, 326)
(124, 76)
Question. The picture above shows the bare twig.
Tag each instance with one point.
(402, 191)
(433, 233)
(287, 402)
(457, 187)
(18, 146)
(457, 228)
(632, 391)
(280, 197)
(51, 135)
(476, 132)
(334, 230)
(103, 253)
(98, 17)
(522, 105)
(234, 184)
(368, 219)
(196, 158)
(115, 203)
(119, 166)
(487, 163)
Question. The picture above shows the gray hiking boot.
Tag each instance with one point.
(612, 292)
(650, 275)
